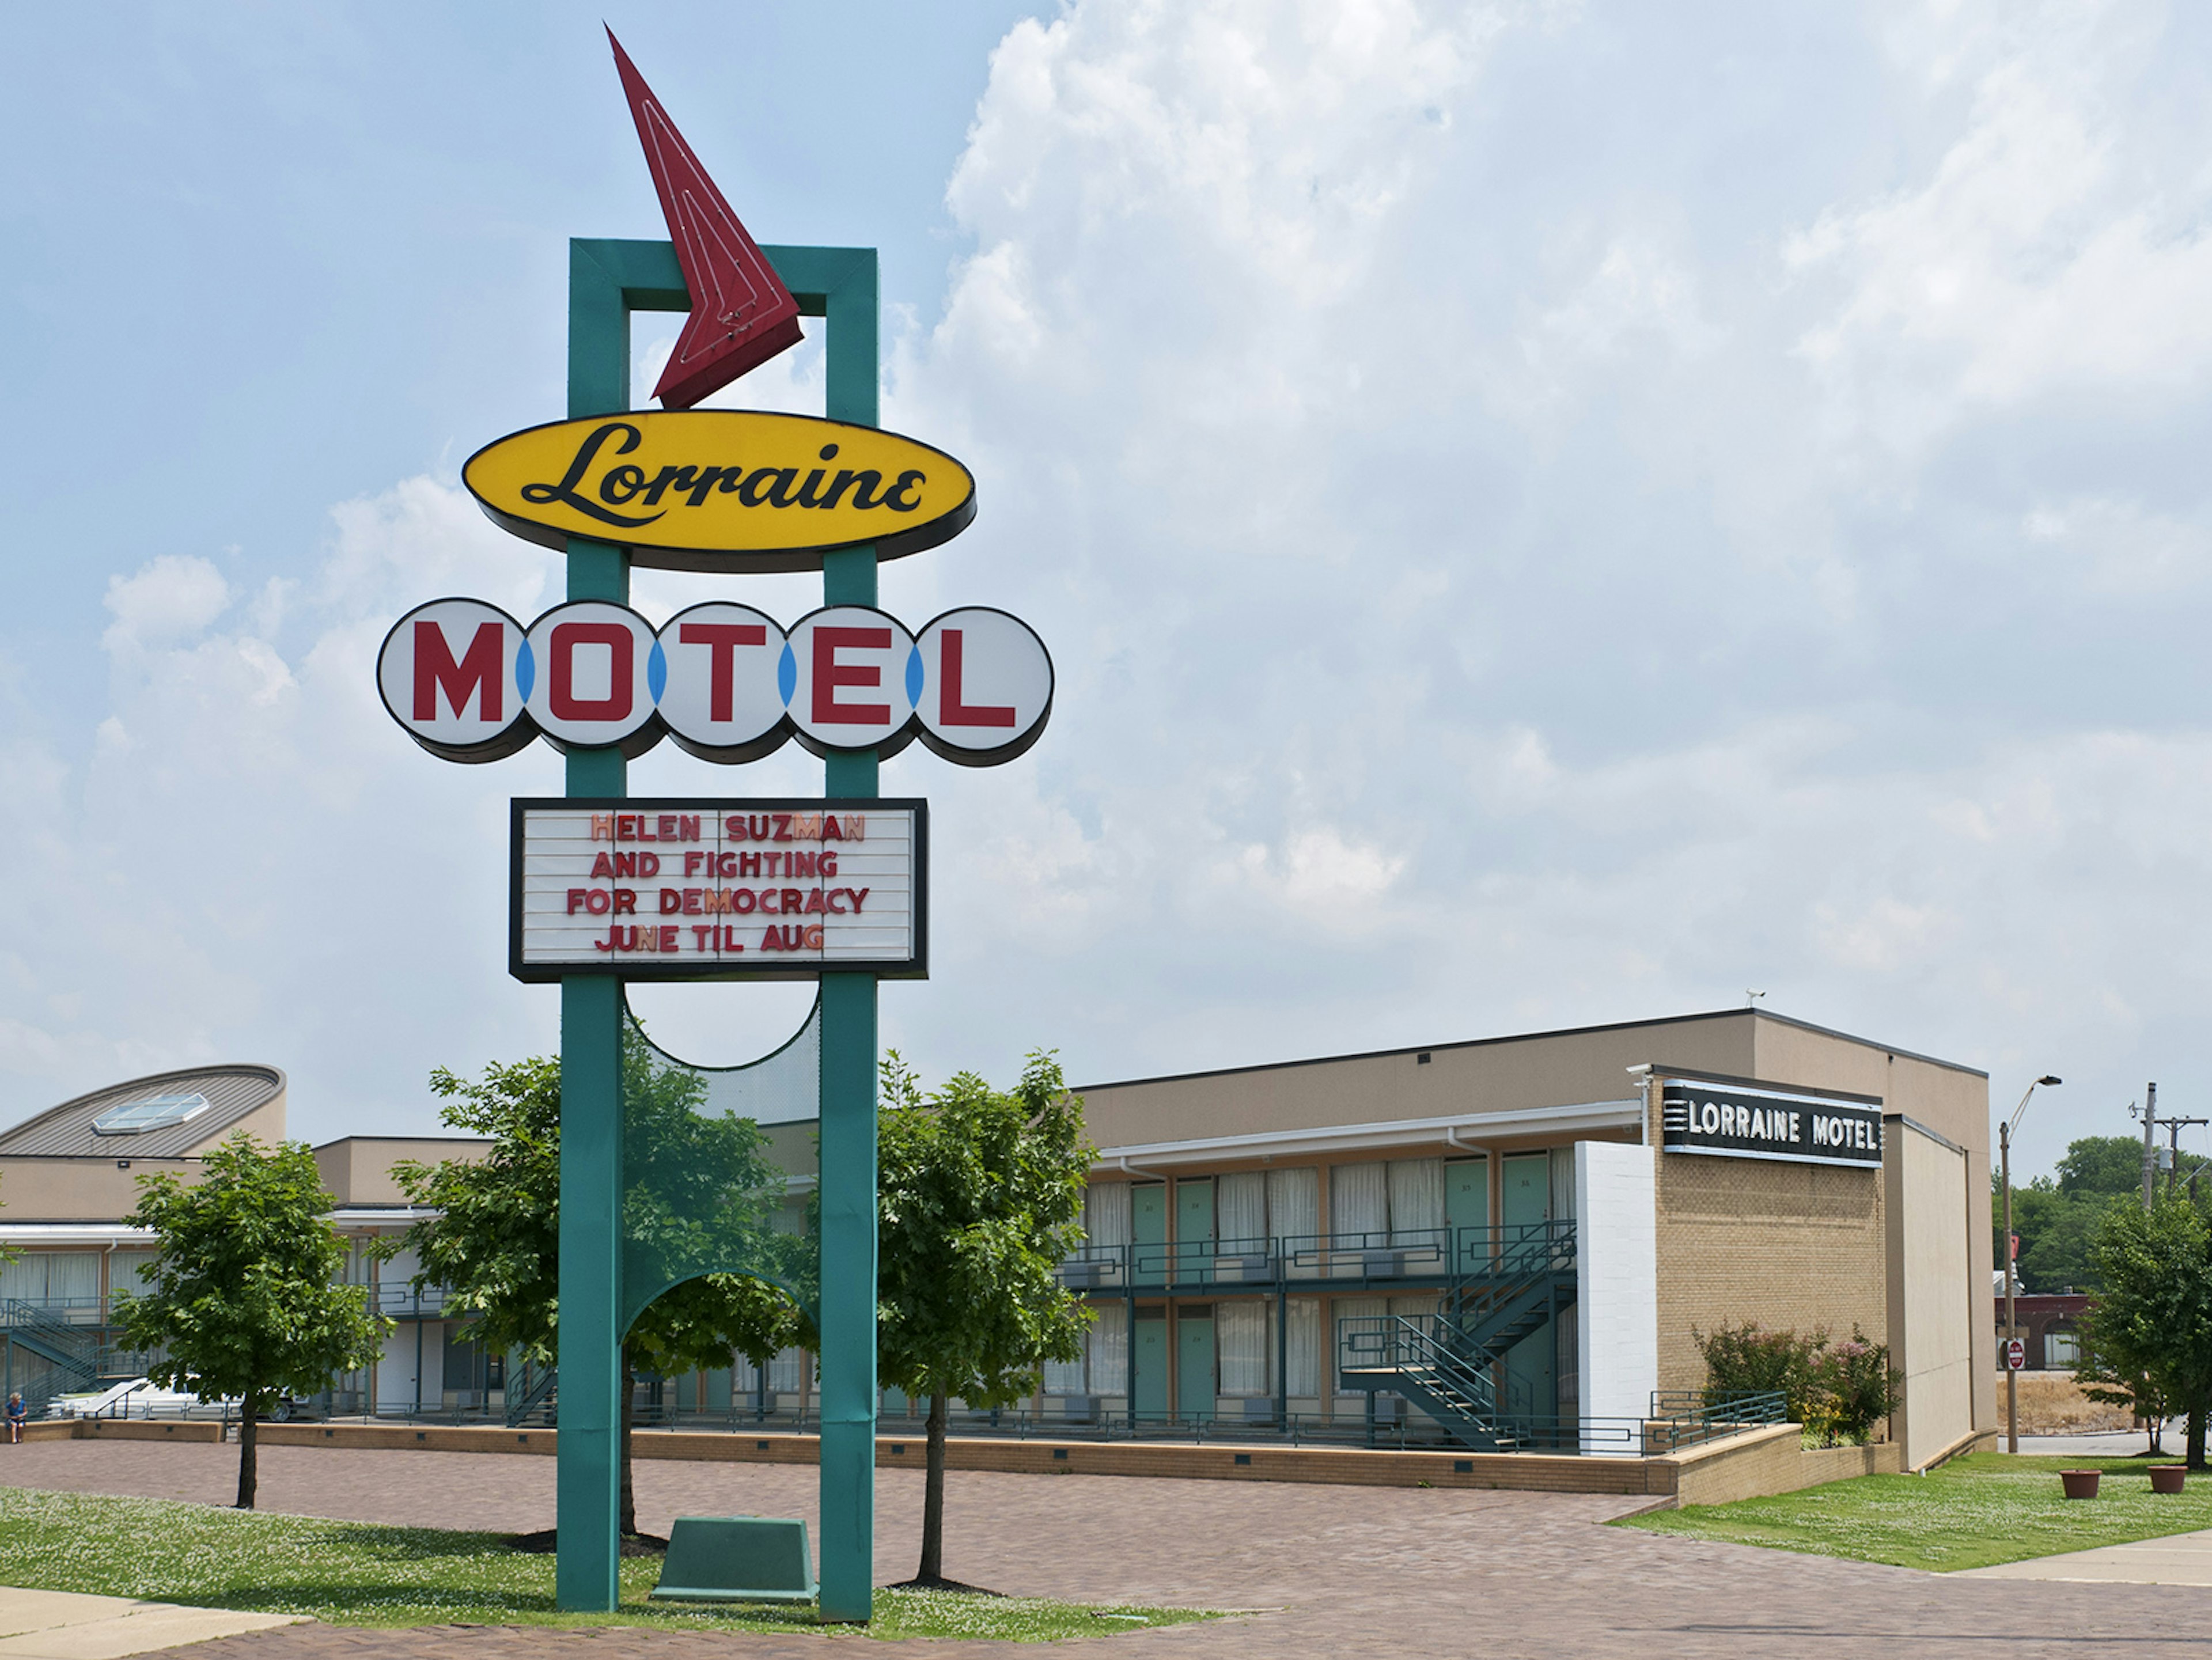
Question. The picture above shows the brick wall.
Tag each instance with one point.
(1790, 1246)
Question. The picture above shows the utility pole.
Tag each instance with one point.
(2150, 1147)
(2173, 1128)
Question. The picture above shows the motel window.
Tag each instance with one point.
(1294, 1203)
(1399, 1201)
(1417, 1201)
(123, 1270)
(1341, 1309)
(786, 1371)
(1240, 1331)
(70, 1278)
(1106, 1213)
(1065, 1377)
(1241, 1212)
(1358, 1200)
(1302, 1348)
(1109, 1351)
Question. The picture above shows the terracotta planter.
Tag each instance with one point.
(2079, 1484)
(2166, 1478)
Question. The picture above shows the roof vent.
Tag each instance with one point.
(155, 1112)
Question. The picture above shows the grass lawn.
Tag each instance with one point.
(1969, 1513)
(355, 1574)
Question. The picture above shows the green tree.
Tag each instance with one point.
(2153, 1320)
(241, 1298)
(982, 1197)
(698, 1190)
(2107, 1165)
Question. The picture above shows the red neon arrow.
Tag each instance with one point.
(741, 313)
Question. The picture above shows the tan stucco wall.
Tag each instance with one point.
(1933, 1323)
(265, 1123)
(357, 1170)
(34, 1189)
(1560, 1069)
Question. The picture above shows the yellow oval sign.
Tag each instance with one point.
(722, 489)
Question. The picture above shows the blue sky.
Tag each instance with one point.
(1544, 513)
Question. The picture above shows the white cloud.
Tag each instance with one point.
(1540, 515)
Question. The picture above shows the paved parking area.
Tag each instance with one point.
(1340, 1571)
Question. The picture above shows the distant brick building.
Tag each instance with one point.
(2050, 1326)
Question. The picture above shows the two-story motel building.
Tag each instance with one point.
(1311, 1248)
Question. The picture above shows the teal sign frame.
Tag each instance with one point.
(608, 280)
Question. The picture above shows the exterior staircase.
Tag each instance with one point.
(51, 1356)
(1509, 1284)
(531, 1393)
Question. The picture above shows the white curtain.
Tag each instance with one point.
(124, 1263)
(1415, 1306)
(1106, 1213)
(1358, 1200)
(1110, 1350)
(786, 1371)
(1303, 1347)
(744, 1377)
(45, 1276)
(1064, 1377)
(1293, 1202)
(1240, 1330)
(1417, 1201)
(1241, 1210)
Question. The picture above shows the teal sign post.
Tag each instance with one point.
(716, 490)
(608, 281)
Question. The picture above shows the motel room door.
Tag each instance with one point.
(1532, 1385)
(1467, 1204)
(1148, 1234)
(1194, 1368)
(1148, 1347)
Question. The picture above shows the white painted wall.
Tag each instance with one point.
(396, 1366)
(1616, 1284)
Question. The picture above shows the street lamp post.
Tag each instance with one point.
(2012, 1276)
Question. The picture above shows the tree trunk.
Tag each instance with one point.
(2196, 1438)
(249, 1477)
(932, 1493)
(629, 1411)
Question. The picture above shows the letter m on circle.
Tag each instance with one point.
(477, 672)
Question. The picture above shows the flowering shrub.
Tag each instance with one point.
(1837, 1391)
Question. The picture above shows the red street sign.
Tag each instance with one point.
(2015, 1355)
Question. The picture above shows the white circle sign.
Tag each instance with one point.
(848, 679)
(589, 673)
(447, 673)
(721, 700)
(985, 686)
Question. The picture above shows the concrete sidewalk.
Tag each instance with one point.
(65, 1625)
(2180, 1558)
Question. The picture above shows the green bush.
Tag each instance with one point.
(1837, 1391)
(1858, 1387)
(1748, 1360)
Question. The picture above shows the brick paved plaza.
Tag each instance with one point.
(1341, 1570)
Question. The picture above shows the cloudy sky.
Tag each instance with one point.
(1544, 514)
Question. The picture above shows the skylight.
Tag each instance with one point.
(154, 1112)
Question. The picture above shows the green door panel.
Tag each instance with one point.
(1467, 1204)
(1148, 1229)
(1149, 1347)
(1194, 1252)
(1195, 1388)
(1527, 1196)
